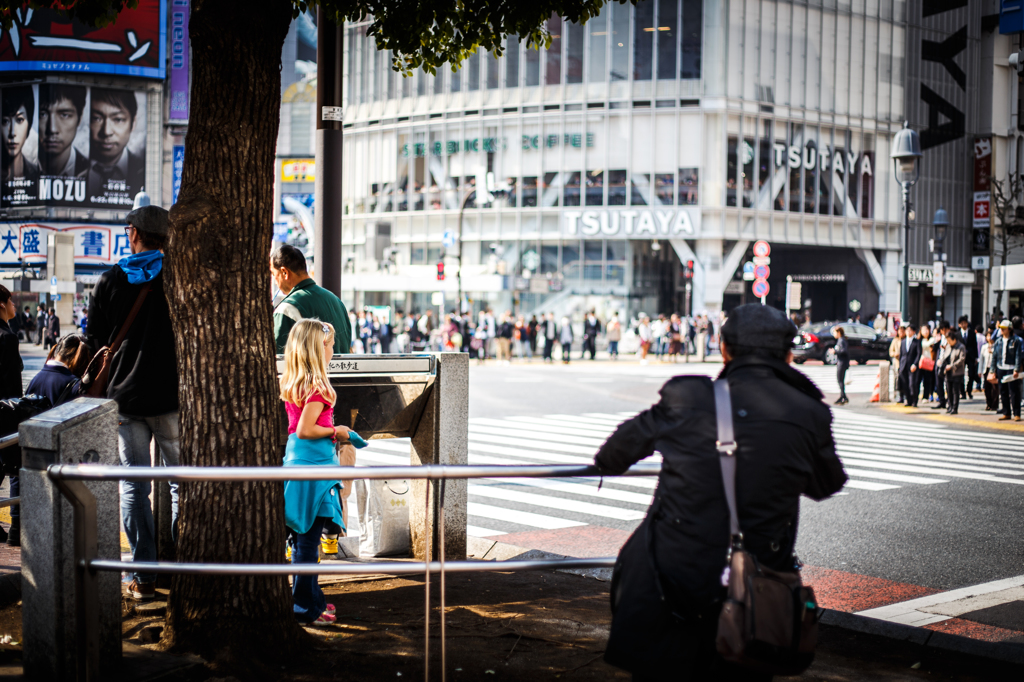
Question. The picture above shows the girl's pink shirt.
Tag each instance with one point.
(326, 418)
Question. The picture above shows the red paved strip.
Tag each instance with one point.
(582, 542)
(967, 628)
(849, 592)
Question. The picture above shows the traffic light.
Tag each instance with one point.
(440, 271)
(688, 270)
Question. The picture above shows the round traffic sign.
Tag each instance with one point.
(760, 288)
(748, 267)
(762, 272)
(762, 249)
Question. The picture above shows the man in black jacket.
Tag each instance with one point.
(970, 340)
(910, 373)
(52, 328)
(667, 589)
(143, 375)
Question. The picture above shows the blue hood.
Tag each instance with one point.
(142, 267)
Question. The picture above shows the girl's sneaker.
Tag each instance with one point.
(324, 619)
(329, 609)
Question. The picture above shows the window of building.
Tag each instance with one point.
(595, 188)
(615, 262)
(574, 53)
(796, 137)
(620, 41)
(616, 188)
(641, 190)
(389, 76)
(530, 191)
(433, 254)
(473, 71)
(512, 62)
(764, 163)
(512, 192)
(809, 162)
(421, 82)
(665, 188)
(439, 81)
(667, 35)
(551, 188)
(456, 79)
(418, 255)
(572, 190)
(549, 258)
(571, 260)
(553, 54)
(493, 71)
(643, 40)
(532, 66)
(731, 170)
(598, 47)
(687, 186)
(693, 21)
(593, 259)
(747, 151)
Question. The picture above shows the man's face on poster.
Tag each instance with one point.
(58, 123)
(110, 127)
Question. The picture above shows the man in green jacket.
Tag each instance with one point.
(304, 299)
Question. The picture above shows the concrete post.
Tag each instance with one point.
(83, 431)
(443, 438)
(60, 263)
(883, 382)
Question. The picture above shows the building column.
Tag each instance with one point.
(889, 297)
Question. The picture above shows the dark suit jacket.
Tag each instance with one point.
(909, 356)
(971, 341)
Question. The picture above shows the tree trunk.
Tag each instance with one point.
(219, 293)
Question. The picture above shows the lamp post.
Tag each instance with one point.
(940, 223)
(906, 157)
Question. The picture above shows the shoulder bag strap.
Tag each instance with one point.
(128, 321)
(726, 446)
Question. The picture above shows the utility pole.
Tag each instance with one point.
(330, 45)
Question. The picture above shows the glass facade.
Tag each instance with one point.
(698, 119)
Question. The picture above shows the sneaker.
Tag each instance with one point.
(329, 545)
(288, 553)
(141, 591)
(324, 619)
(330, 609)
(14, 535)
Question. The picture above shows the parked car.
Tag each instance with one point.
(815, 342)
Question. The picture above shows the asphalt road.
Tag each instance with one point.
(912, 517)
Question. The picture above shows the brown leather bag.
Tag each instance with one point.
(769, 621)
(97, 374)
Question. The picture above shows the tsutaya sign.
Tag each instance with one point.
(810, 157)
(635, 223)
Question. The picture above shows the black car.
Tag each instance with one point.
(815, 342)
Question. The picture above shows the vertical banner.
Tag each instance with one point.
(179, 76)
(177, 168)
(20, 166)
(982, 218)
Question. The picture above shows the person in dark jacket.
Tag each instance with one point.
(910, 356)
(40, 325)
(60, 378)
(11, 367)
(667, 586)
(842, 349)
(143, 376)
(970, 341)
(591, 328)
(52, 328)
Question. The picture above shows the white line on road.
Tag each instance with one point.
(892, 477)
(523, 518)
(563, 504)
(478, 532)
(867, 485)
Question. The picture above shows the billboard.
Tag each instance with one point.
(71, 145)
(94, 244)
(43, 40)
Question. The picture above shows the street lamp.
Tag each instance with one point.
(940, 223)
(906, 157)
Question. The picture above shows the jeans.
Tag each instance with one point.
(841, 367)
(309, 600)
(133, 442)
(613, 348)
(940, 384)
(1010, 395)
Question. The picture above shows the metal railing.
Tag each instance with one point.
(70, 480)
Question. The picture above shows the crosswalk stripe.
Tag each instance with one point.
(478, 532)
(922, 432)
(922, 460)
(579, 489)
(891, 477)
(925, 470)
(868, 485)
(561, 503)
(517, 434)
(929, 457)
(544, 521)
(539, 425)
(530, 442)
(904, 426)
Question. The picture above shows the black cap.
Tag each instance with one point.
(759, 326)
(150, 219)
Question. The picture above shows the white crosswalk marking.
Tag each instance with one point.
(880, 454)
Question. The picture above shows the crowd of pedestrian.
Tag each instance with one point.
(943, 364)
(506, 337)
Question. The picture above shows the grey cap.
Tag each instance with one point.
(150, 219)
(759, 326)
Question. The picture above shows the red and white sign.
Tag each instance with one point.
(762, 272)
(982, 209)
(760, 288)
(762, 249)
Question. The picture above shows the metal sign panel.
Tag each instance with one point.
(356, 365)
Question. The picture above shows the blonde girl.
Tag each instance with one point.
(310, 506)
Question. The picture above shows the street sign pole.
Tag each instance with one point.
(329, 114)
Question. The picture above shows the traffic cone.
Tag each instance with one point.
(874, 394)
